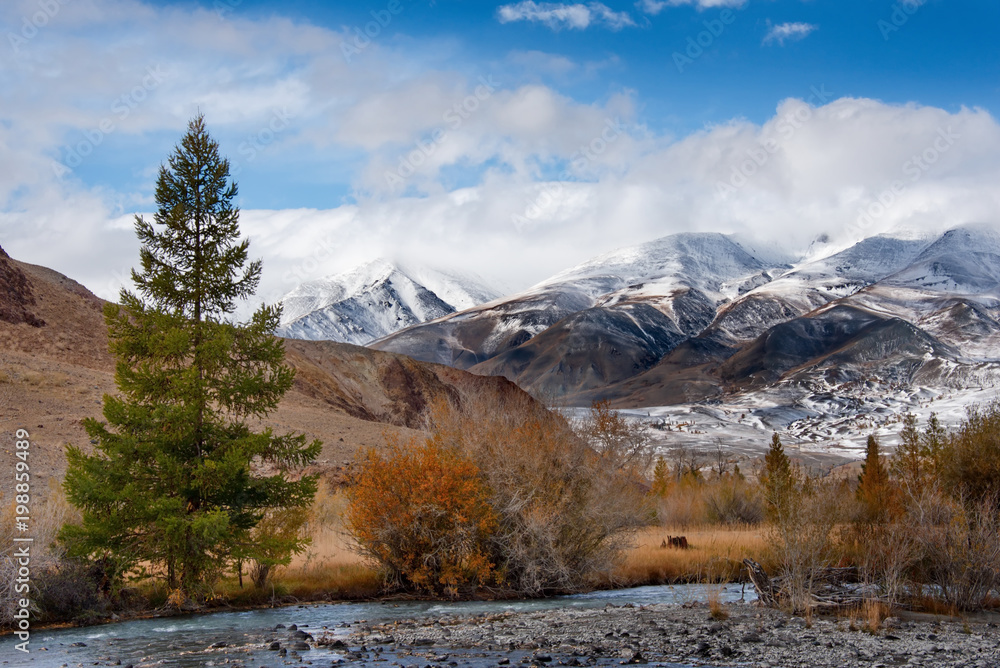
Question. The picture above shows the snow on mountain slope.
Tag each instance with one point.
(963, 261)
(813, 283)
(374, 300)
(696, 260)
(682, 276)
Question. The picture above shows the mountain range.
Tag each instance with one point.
(699, 317)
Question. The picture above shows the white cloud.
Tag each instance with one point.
(557, 15)
(656, 6)
(549, 181)
(806, 171)
(793, 32)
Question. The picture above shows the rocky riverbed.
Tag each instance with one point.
(679, 635)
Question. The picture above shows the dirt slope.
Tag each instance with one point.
(55, 369)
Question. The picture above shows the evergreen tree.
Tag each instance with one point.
(934, 440)
(874, 490)
(661, 477)
(777, 479)
(909, 462)
(172, 482)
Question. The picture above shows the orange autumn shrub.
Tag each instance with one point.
(422, 512)
(566, 509)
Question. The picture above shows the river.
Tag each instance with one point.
(187, 641)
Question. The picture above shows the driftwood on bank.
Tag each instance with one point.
(832, 588)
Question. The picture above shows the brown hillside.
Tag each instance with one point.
(55, 368)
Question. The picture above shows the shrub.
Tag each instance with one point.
(802, 537)
(422, 513)
(276, 538)
(71, 590)
(731, 500)
(971, 457)
(957, 547)
(514, 499)
(565, 511)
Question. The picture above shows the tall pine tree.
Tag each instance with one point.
(777, 479)
(175, 480)
(875, 492)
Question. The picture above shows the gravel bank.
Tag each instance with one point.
(688, 635)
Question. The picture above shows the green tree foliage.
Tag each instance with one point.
(172, 483)
(777, 478)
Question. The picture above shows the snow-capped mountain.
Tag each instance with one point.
(597, 323)
(693, 317)
(374, 300)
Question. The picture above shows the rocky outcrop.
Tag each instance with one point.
(16, 295)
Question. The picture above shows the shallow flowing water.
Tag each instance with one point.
(188, 641)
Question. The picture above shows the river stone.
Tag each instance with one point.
(299, 646)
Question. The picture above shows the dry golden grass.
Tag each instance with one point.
(874, 613)
(715, 607)
(329, 568)
(715, 554)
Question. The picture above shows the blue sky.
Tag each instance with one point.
(458, 134)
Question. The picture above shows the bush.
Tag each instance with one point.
(523, 502)
(802, 537)
(971, 466)
(422, 513)
(72, 590)
(62, 589)
(731, 500)
(956, 548)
